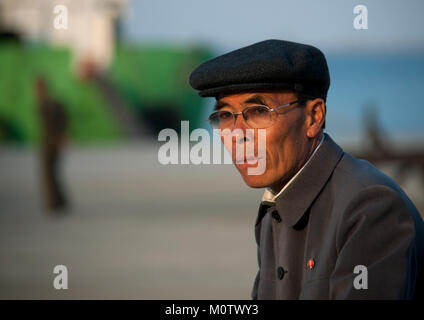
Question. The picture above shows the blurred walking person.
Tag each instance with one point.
(54, 122)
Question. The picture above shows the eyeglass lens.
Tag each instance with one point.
(255, 117)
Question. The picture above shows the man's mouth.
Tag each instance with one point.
(251, 160)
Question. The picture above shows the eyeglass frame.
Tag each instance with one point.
(235, 114)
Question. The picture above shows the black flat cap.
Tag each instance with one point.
(270, 64)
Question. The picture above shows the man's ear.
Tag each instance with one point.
(315, 115)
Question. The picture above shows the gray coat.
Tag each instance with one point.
(338, 213)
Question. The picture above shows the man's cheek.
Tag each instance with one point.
(227, 145)
(261, 154)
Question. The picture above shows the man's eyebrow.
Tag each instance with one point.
(258, 99)
(220, 104)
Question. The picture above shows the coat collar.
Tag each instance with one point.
(298, 196)
(296, 199)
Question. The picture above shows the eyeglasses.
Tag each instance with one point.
(257, 117)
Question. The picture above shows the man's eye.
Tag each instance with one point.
(225, 115)
(259, 110)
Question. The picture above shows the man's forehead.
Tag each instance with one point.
(242, 95)
(253, 95)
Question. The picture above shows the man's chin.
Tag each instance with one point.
(255, 181)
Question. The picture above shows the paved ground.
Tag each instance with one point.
(137, 229)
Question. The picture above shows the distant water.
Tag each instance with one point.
(393, 84)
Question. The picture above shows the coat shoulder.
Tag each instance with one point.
(353, 177)
(362, 174)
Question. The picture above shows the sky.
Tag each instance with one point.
(394, 26)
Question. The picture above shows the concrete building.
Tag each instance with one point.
(88, 27)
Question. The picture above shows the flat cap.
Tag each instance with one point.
(269, 64)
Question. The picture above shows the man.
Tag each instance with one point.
(54, 122)
(329, 226)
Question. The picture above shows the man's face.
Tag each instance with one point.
(287, 144)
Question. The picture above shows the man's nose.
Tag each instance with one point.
(240, 124)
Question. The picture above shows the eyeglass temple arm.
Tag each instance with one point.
(287, 104)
